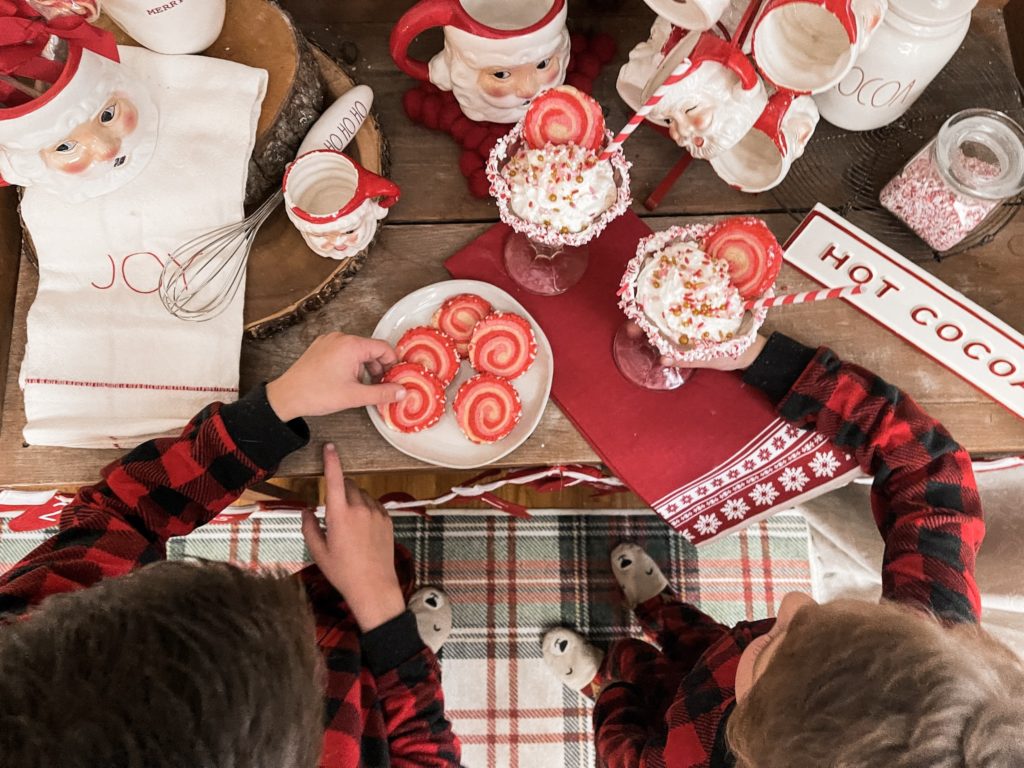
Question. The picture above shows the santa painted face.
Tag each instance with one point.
(710, 110)
(95, 136)
(346, 236)
(499, 88)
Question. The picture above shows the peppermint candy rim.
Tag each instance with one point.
(439, 349)
(468, 403)
(479, 345)
(502, 194)
(445, 316)
(698, 350)
(419, 384)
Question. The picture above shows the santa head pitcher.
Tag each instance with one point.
(90, 133)
(497, 56)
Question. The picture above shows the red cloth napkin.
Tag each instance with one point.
(707, 457)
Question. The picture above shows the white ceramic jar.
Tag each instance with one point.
(914, 42)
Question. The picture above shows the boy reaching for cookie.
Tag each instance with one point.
(913, 681)
(110, 657)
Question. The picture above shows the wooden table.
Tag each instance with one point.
(436, 217)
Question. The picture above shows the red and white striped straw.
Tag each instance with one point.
(674, 77)
(802, 298)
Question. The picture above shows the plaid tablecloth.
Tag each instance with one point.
(509, 581)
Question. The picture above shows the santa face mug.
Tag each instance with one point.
(335, 203)
(169, 26)
(716, 103)
(762, 158)
(92, 132)
(497, 56)
(808, 46)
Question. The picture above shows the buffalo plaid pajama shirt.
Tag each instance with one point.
(384, 706)
(669, 706)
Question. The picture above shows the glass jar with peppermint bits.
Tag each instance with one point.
(953, 184)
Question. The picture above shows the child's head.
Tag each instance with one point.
(862, 685)
(177, 664)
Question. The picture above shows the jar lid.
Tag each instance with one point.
(982, 152)
(932, 11)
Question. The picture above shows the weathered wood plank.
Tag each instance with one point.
(410, 256)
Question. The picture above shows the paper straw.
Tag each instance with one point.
(676, 75)
(802, 298)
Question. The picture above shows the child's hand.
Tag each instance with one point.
(357, 552)
(325, 379)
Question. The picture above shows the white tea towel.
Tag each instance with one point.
(105, 364)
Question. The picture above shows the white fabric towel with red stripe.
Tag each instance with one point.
(106, 366)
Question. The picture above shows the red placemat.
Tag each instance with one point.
(707, 457)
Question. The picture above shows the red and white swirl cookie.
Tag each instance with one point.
(487, 408)
(423, 404)
(459, 315)
(432, 349)
(503, 344)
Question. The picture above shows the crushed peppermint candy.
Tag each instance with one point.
(937, 213)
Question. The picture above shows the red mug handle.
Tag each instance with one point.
(422, 16)
(373, 185)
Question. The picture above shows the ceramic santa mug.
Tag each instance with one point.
(808, 46)
(335, 203)
(716, 103)
(169, 26)
(91, 132)
(762, 158)
(497, 56)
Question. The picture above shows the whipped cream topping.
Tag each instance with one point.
(688, 296)
(561, 187)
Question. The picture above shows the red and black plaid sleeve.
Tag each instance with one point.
(627, 734)
(924, 497)
(411, 699)
(165, 487)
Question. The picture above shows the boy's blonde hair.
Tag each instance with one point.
(860, 685)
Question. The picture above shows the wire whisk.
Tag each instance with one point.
(202, 276)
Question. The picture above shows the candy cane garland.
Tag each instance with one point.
(807, 296)
(674, 77)
(575, 478)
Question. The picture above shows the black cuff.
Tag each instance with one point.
(257, 431)
(778, 367)
(392, 644)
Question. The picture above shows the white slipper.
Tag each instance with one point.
(433, 613)
(637, 574)
(570, 658)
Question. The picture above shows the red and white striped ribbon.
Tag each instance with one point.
(802, 298)
(674, 77)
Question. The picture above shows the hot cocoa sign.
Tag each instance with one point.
(966, 339)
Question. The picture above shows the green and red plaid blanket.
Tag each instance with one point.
(509, 581)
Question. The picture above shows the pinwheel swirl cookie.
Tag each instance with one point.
(424, 401)
(503, 344)
(432, 349)
(458, 316)
(487, 408)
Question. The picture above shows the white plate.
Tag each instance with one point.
(444, 444)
